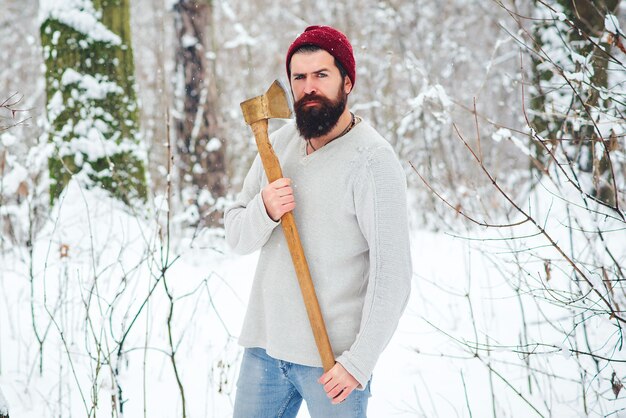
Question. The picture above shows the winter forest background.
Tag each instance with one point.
(121, 140)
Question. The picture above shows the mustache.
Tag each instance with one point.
(310, 98)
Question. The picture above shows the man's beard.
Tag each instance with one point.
(316, 121)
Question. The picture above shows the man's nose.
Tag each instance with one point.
(310, 86)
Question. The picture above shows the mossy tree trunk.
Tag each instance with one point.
(569, 72)
(91, 98)
(201, 152)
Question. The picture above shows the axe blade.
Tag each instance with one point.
(277, 100)
(272, 104)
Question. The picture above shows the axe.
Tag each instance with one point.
(256, 112)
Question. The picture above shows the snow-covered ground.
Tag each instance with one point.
(4, 406)
(84, 322)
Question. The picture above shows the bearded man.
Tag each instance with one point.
(348, 193)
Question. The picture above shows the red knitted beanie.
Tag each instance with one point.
(330, 40)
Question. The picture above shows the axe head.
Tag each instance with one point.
(272, 104)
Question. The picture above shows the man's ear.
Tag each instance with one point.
(347, 84)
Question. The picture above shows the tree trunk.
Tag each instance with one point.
(91, 98)
(573, 129)
(201, 165)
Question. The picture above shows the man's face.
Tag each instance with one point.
(320, 92)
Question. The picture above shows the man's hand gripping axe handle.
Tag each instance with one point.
(256, 112)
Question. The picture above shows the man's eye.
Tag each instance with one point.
(297, 77)
(322, 75)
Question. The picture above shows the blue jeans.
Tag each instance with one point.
(271, 388)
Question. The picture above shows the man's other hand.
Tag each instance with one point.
(338, 383)
(278, 198)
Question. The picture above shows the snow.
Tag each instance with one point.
(160, 203)
(81, 16)
(506, 134)
(55, 37)
(10, 182)
(93, 145)
(94, 253)
(4, 406)
(55, 106)
(243, 38)
(206, 198)
(611, 24)
(436, 97)
(93, 87)
(189, 41)
(501, 134)
(430, 112)
(214, 144)
(8, 139)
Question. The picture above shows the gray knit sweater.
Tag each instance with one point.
(351, 214)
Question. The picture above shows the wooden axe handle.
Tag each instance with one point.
(274, 172)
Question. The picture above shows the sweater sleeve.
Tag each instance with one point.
(381, 209)
(246, 222)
